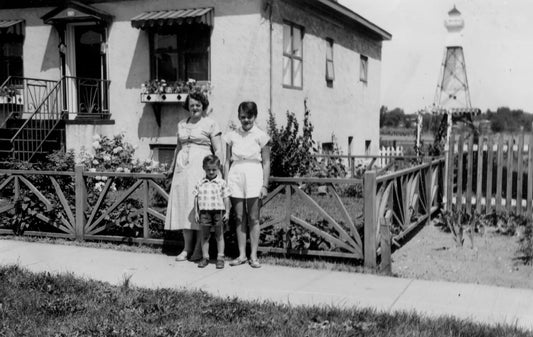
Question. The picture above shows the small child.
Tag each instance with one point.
(212, 206)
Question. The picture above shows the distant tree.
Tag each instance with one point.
(505, 119)
(392, 118)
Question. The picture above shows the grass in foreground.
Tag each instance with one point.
(51, 305)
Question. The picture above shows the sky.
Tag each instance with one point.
(497, 45)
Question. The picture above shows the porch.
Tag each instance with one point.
(34, 112)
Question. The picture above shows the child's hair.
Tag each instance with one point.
(211, 159)
(248, 107)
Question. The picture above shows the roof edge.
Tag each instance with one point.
(356, 17)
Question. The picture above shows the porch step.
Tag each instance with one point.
(53, 143)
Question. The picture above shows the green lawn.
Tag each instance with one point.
(48, 305)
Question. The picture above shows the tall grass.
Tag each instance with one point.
(49, 305)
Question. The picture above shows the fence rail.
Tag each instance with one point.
(492, 173)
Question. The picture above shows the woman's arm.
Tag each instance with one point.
(227, 162)
(216, 142)
(265, 160)
(170, 170)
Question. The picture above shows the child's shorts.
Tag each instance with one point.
(245, 179)
(211, 218)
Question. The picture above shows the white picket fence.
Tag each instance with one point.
(388, 151)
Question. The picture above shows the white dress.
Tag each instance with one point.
(195, 139)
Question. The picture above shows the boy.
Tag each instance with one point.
(212, 206)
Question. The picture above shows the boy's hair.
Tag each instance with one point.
(210, 159)
(248, 107)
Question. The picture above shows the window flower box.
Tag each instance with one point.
(10, 95)
(163, 97)
(159, 91)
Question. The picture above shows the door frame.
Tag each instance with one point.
(71, 90)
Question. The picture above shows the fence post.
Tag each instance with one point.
(81, 202)
(370, 190)
(287, 222)
(429, 189)
(385, 233)
(146, 197)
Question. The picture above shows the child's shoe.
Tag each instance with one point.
(220, 263)
(203, 263)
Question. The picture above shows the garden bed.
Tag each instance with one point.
(433, 255)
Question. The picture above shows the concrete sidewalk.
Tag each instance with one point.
(292, 286)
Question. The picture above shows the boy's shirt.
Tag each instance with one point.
(211, 193)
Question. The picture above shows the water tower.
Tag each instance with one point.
(452, 89)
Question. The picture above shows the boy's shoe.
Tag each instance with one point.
(220, 263)
(203, 263)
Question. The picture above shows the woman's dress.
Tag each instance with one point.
(195, 139)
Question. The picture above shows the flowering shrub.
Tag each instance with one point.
(291, 152)
(116, 155)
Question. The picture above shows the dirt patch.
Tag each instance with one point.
(432, 255)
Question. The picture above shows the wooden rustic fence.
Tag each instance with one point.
(66, 211)
(490, 174)
(363, 219)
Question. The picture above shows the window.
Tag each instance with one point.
(363, 69)
(292, 56)
(163, 153)
(330, 70)
(10, 57)
(180, 53)
(367, 147)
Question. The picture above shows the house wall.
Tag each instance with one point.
(240, 70)
(350, 107)
(40, 53)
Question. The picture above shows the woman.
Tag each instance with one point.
(198, 136)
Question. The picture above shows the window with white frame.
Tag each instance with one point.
(330, 70)
(292, 56)
(180, 53)
(363, 69)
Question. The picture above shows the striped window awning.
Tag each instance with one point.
(168, 18)
(12, 27)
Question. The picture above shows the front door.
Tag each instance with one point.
(89, 81)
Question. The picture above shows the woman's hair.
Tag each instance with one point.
(248, 107)
(198, 96)
(209, 160)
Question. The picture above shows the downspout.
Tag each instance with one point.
(271, 75)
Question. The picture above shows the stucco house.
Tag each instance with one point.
(70, 69)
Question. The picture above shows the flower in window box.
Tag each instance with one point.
(8, 90)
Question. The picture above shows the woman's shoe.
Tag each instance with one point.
(255, 263)
(182, 256)
(196, 258)
(237, 262)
